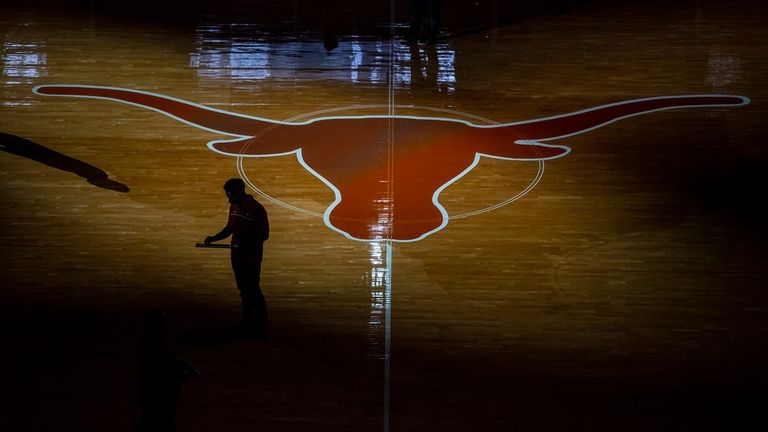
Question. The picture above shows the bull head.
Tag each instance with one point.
(387, 171)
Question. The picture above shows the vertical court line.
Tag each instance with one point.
(387, 332)
(390, 219)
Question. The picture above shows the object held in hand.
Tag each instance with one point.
(213, 245)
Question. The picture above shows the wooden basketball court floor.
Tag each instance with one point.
(618, 287)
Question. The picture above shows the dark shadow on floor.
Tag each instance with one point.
(219, 334)
(30, 150)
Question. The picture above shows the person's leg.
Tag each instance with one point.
(258, 302)
(244, 284)
(246, 297)
(248, 277)
(260, 309)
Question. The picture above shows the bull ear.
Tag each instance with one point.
(252, 147)
(526, 150)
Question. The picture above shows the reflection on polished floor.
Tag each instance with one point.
(549, 219)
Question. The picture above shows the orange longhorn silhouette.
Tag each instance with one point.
(387, 171)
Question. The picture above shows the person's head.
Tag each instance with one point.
(235, 190)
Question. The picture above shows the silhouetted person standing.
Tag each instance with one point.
(249, 227)
(429, 11)
(160, 376)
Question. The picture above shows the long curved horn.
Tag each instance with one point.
(196, 115)
(582, 121)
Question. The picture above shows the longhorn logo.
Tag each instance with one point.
(387, 171)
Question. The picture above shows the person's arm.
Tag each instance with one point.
(224, 233)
